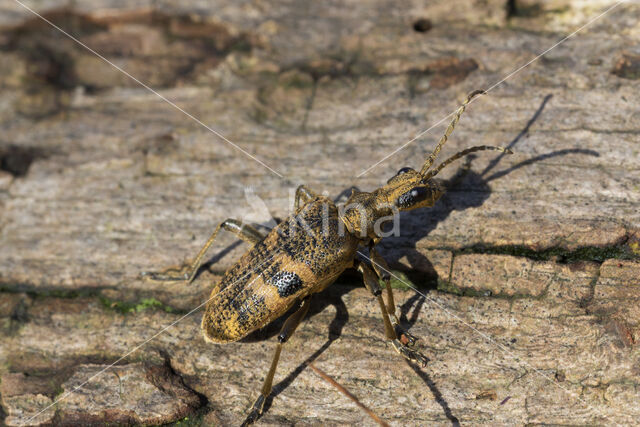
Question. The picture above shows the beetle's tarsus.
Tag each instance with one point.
(410, 354)
(256, 411)
(171, 274)
(406, 338)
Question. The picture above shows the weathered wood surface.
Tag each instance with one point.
(529, 264)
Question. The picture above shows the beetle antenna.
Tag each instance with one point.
(447, 133)
(463, 153)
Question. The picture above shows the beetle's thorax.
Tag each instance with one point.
(362, 211)
(365, 213)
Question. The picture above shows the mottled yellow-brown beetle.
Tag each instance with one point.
(307, 251)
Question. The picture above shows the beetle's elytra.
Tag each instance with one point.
(287, 265)
(307, 251)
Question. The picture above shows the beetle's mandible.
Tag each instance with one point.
(307, 251)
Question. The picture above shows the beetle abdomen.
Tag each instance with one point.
(295, 259)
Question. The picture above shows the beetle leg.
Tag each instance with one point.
(303, 194)
(382, 269)
(188, 271)
(287, 330)
(371, 282)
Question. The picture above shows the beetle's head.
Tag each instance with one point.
(409, 189)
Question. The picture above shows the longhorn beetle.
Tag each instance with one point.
(307, 251)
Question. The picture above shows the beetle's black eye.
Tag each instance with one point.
(412, 197)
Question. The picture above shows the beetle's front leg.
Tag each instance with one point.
(371, 282)
(382, 269)
(188, 271)
(287, 330)
(303, 195)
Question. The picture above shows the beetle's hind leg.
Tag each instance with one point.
(287, 330)
(371, 282)
(188, 271)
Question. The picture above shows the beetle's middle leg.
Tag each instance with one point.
(371, 282)
(287, 330)
(381, 268)
(188, 271)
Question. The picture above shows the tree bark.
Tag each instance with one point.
(522, 282)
